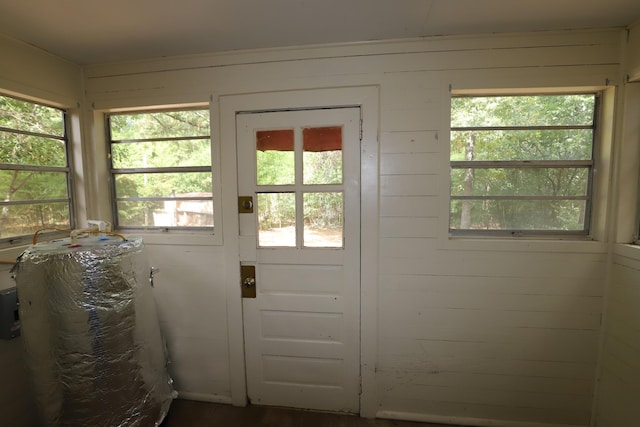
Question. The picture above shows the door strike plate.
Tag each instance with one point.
(245, 204)
(248, 281)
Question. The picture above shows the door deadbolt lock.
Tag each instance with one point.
(245, 204)
(248, 281)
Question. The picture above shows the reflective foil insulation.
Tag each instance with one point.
(91, 333)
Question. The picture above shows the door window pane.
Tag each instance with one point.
(322, 158)
(323, 220)
(275, 159)
(276, 219)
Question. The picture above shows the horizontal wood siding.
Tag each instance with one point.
(189, 291)
(466, 329)
(620, 378)
(33, 73)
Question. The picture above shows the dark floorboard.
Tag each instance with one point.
(188, 413)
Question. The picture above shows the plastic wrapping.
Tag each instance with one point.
(91, 333)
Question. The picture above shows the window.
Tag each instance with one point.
(161, 169)
(35, 178)
(522, 164)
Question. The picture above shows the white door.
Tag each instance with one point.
(302, 331)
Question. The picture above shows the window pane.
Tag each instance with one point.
(163, 184)
(276, 219)
(275, 160)
(32, 185)
(159, 124)
(29, 117)
(170, 213)
(153, 154)
(159, 140)
(539, 144)
(21, 220)
(323, 220)
(18, 149)
(563, 215)
(549, 141)
(544, 110)
(322, 155)
(519, 182)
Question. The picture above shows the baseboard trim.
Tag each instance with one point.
(465, 421)
(203, 397)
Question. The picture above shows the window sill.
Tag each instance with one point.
(627, 250)
(554, 244)
(175, 237)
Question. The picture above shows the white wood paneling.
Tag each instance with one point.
(191, 299)
(619, 387)
(30, 72)
(474, 332)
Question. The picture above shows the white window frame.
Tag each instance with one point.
(211, 235)
(591, 165)
(67, 169)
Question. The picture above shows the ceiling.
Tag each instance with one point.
(91, 31)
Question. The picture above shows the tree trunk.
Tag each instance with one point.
(465, 215)
(7, 198)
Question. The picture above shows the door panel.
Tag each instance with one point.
(302, 331)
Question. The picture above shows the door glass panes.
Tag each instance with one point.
(276, 219)
(323, 219)
(322, 155)
(275, 160)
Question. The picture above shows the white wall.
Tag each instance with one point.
(467, 330)
(36, 75)
(486, 332)
(619, 384)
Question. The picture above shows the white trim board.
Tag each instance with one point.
(367, 98)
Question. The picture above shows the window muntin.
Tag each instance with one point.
(161, 169)
(299, 178)
(522, 164)
(35, 178)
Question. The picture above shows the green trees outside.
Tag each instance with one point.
(157, 157)
(521, 162)
(322, 210)
(33, 168)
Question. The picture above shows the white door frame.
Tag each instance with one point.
(365, 97)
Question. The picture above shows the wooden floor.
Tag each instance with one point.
(186, 413)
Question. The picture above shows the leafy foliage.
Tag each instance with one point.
(144, 146)
(33, 136)
(557, 130)
(321, 210)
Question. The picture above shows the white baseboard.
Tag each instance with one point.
(465, 421)
(203, 397)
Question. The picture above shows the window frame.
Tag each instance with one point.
(590, 165)
(112, 172)
(68, 169)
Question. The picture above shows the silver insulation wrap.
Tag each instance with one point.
(91, 333)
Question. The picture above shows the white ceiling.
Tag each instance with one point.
(92, 31)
